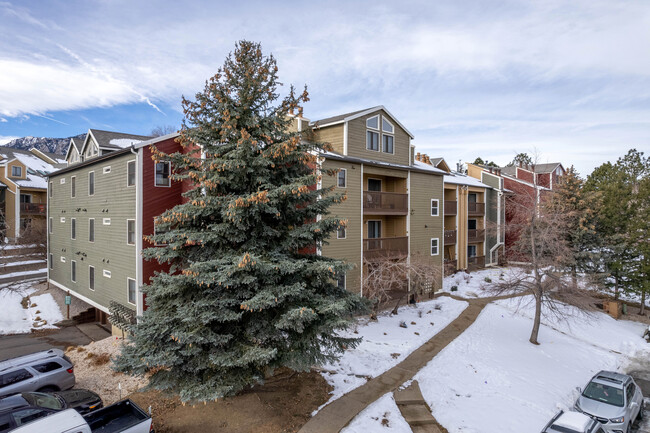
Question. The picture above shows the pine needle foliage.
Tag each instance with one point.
(246, 292)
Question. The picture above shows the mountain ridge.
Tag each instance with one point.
(58, 146)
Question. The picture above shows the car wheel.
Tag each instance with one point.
(48, 389)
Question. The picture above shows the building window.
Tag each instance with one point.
(130, 173)
(91, 277)
(373, 122)
(374, 229)
(73, 271)
(341, 281)
(471, 251)
(372, 140)
(386, 126)
(106, 170)
(162, 174)
(16, 171)
(340, 233)
(51, 189)
(25, 198)
(434, 246)
(435, 206)
(471, 224)
(73, 186)
(157, 231)
(91, 230)
(342, 177)
(130, 232)
(387, 143)
(51, 261)
(73, 228)
(51, 225)
(131, 290)
(106, 273)
(91, 183)
(374, 185)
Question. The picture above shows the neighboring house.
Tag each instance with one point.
(394, 203)
(99, 210)
(98, 143)
(23, 192)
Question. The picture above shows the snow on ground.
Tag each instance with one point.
(385, 343)
(381, 416)
(491, 379)
(42, 313)
(475, 284)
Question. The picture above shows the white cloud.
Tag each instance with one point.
(6, 139)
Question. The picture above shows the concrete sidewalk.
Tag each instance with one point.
(336, 415)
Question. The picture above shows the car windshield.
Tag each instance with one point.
(39, 399)
(605, 393)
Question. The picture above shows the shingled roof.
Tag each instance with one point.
(116, 140)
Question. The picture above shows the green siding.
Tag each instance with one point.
(348, 249)
(110, 251)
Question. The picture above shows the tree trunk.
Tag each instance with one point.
(642, 310)
(616, 287)
(538, 317)
(574, 277)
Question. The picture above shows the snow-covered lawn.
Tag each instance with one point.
(385, 343)
(381, 416)
(491, 379)
(474, 285)
(42, 313)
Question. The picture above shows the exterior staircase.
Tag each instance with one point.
(22, 263)
(415, 410)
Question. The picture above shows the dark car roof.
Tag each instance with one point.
(12, 402)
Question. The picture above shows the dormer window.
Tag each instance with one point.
(16, 171)
(372, 137)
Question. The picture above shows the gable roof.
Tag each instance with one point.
(342, 118)
(36, 168)
(535, 168)
(109, 140)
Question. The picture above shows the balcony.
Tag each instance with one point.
(385, 203)
(476, 262)
(450, 208)
(475, 209)
(378, 248)
(475, 236)
(450, 237)
(33, 209)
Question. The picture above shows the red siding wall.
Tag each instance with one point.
(524, 175)
(544, 179)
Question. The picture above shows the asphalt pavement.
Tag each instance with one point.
(24, 344)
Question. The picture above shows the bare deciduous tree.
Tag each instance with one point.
(159, 130)
(397, 278)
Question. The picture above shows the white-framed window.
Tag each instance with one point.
(91, 229)
(106, 221)
(51, 257)
(130, 173)
(106, 169)
(434, 246)
(51, 225)
(91, 277)
(51, 189)
(155, 232)
(62, 181)
(471, 250)
(387, 143)
(435, 207)
(62, 219)
(16, 171)
(73, 186)
(340, 233)
(162, 173)
(131, 290)
(62, 259)
(73, 271)
(342, 178)
(373, 122)
(130, 232)
(106, 273)
(73, 228)
(91, 183)
(341, 281)
(386, 126)
(372, 140)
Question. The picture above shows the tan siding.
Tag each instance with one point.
(112, 199)
(357, 142)
(425, 187)
(348, 249)
(332, 135)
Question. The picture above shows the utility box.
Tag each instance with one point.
(614, 308)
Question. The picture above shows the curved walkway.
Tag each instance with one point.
(336, 415)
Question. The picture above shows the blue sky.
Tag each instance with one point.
(568, 80)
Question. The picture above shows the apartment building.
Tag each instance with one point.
(394, 203)
(23, 189)
(99, 208)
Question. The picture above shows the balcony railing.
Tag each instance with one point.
(385, 203)
(450, 237)
(474, 263)
(450, 208)
(474, 236)
(475, 209)
(385, 247)
(33, 208)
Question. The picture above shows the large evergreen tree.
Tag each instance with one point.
(247, 292)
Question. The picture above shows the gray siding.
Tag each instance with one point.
(357, 141)
(110, 251)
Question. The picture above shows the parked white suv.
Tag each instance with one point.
(573, 422)
(49, 370)
(614, 399)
